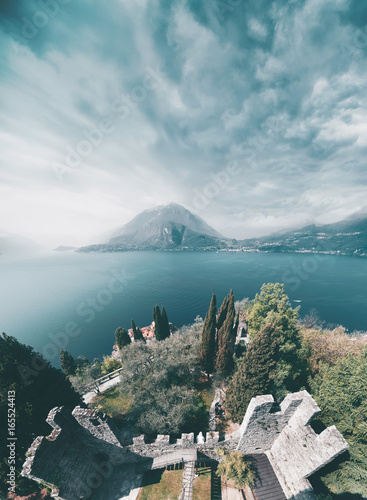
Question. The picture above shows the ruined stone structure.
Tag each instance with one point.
(86, 454)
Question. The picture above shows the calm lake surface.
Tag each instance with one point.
(76, 301)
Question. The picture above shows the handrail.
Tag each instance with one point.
(106, 377)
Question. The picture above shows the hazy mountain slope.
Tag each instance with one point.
(172, 227)
(164, 227)
(347, 237)
(14, 244)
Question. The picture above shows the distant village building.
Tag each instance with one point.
(86, 456)
(148, 331)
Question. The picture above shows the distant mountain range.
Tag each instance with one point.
(348, 237)
(172, 227)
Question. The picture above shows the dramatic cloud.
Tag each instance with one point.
(251, 114)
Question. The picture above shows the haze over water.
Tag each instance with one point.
(90, 295)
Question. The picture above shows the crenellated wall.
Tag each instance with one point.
(85, 444)
(260, 427)
(299, 452)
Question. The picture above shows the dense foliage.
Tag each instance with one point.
(341, 392)
(234, 467)
(67, 363)
(208, 338)
(161, 324)
(271, 305)
(87, 373)
(256, 374)
(275, 360)
(138, 336)
(218, 337)
(161, 378)
(122, 338)
(328, 346)
(226, 338)
(38, 387)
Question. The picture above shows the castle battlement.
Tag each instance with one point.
(85, 449)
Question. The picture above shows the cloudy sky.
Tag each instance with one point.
(251, 113)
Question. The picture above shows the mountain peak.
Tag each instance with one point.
(166, 226)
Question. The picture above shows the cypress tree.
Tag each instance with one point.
(136, 332)
(222, 313)
(122, 338)
(226, 339)
(165, 324)
(157, 323)
(67, 363)
(256, 374)
(207, 345)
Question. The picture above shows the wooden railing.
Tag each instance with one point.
(98, 381)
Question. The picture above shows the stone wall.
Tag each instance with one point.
(98, 424)
(299, 452)
(261, 425)
(85, 444)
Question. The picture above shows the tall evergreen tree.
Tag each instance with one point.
(207, 345)
(165, 324)
(157, 323)
(226, 339)
(122, 338)
(256, 373)
(222, 313)
(136, 332)
(67, 362)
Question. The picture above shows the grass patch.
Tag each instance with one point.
(207, 396)
(202, 484)
(112, 403)
(161, 485)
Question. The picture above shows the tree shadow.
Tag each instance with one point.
(316, 479)
(152, 477)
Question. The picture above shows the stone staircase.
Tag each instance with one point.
(187, 481)
(215, 486)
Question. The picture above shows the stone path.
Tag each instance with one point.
(187, 481)
(217, 399)
(230, 493)
(88, 396)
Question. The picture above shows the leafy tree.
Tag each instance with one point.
(122, 338)
(160, 379)
(38, 387)
(328, 346)
(137, 332)
(110, 365)
(226, 340)
(67, 363)
(81, 364)
(235, 467)
(341, 393)
(279, 341)
(271, 306)
(165, 324)
(207, 345)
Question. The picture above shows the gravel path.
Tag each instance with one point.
(88, 396)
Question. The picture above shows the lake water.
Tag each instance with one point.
(76, 301)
